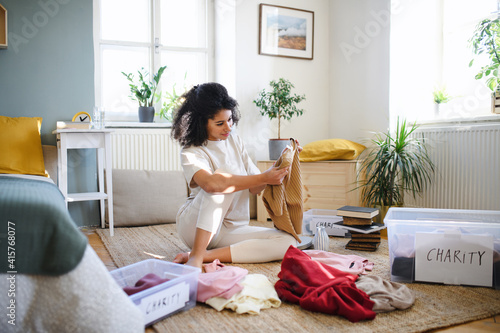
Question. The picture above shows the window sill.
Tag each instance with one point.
(132, 124)
(483, 119)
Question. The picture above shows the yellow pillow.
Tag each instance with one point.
(331, 149)
(21, 146)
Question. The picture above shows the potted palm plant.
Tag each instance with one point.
(395, 164)
(280, 104)
(144, 91)
(486, 41)
(172, 100)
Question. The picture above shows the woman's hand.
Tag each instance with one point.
(275, 176)
(299, 147)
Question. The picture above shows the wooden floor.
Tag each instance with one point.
(486, 325)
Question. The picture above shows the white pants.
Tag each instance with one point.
(248, 244)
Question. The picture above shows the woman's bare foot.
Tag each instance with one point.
(186, 258)
(182, 258)
(195, 261)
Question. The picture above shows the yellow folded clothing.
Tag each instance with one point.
(258, 293)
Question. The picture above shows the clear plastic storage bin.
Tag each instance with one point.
(460, 247)
(322, 217)
(160, 301)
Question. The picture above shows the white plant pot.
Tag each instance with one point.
(437, 108)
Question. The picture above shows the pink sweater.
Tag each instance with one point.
(347, 263)
(219, 280)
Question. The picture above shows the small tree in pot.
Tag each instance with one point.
(144, 92)
(279, 103)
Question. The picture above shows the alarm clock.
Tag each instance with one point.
(81, 117)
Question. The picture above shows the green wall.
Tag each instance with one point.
(48, 71)
(48, 68)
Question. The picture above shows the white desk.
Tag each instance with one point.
(80, 139)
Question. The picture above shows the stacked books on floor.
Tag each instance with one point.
(365, 234)
(364, 242)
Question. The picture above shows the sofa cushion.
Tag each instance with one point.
(142, 197)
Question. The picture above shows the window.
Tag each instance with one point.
(429, 50)
(134, 34)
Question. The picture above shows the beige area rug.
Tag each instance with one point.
(436, 305)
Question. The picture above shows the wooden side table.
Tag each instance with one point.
(81, 139)
(325, 185)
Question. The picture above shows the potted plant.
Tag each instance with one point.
(171, 101)
(279, 103)
(440, 97)
(486, 40)
(395, 164)
(144, 92)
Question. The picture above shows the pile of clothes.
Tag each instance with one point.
(331, 288)
(318, 281)
(231, 287)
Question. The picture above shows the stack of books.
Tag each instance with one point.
(365, 235)
(364, 242)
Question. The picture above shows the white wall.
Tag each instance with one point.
(359, 76)
(346, 97)
(254, 71)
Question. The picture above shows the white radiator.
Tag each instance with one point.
(145, 149)
(467, 160)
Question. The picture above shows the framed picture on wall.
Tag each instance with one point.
(286, 32)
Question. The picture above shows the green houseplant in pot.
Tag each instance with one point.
(172, 100)
(144, 91)
(395, 164)
(486, 41)
(440, 96)
(279, 103)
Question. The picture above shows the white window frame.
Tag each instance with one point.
(155, 48)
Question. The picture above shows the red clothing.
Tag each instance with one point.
(321, 288)
(147, 281)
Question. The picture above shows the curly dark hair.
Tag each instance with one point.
(201, 103)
